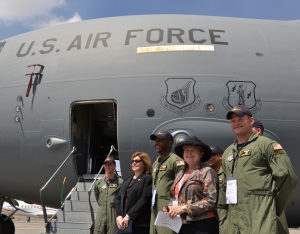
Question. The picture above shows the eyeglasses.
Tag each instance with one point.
(135, 161)
(192, 151)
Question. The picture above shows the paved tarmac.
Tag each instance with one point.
(36, 226)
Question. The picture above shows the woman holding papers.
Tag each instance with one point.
(194, 191)
(134, 199)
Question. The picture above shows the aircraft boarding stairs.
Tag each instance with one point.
(75, 217)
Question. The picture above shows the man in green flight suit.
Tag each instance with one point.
(215, 162)
(164, 171)
(106, 192)
(260, 178)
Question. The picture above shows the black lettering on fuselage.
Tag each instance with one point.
(27, 52)
(196, 36)
(103, 39)
(128, 35)
(150, 39)
(51, 46)
(213, 37)
(192, 36)
(89, 41)
(75, 43)
(177, 35)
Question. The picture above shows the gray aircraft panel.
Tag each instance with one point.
(127, 95)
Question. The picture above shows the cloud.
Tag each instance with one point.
(19, 10)
(34, 13)
(55, 20)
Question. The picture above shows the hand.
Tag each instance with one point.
(166, 209)
(125, 221)
(119, 221)
(174, 211)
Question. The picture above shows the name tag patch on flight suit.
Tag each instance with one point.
(113, 185)
(230, 157)
(245, 152)
(163, 168)
(179, 163)
(104, 186)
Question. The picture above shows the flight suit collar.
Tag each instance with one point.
(220, 172)
(161, 162)
(114, 185)
(253, 137)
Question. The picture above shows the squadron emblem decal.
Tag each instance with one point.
(180, 97)
(241, 93)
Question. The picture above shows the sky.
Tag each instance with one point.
(20, 16)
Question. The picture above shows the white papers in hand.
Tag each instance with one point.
(163, 219)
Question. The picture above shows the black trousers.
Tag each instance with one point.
(204, 226)
(140, 230)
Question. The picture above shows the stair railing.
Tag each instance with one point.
(12, 203)
(47, 223)
(112, 148)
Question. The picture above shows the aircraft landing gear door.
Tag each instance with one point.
(93, 131)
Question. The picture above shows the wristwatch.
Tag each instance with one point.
(184, 208)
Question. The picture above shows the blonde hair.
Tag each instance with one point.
(145, 159)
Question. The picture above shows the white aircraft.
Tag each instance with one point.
(26, 209)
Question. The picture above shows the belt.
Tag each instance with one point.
(163, 197)
(222, 206)
(258, 192)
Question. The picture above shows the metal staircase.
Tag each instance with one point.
(75, 217)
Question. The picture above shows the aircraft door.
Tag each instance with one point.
(93, 131)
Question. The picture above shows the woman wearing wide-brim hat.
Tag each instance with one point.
(194, 191)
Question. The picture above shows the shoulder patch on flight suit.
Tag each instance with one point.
(113, 185)
(230, 157)
(179, 163)
(163, 168)
(245, 152)
(277, 146)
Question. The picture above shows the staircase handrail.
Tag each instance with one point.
(47, 223)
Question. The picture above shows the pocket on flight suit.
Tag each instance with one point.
(278, 172)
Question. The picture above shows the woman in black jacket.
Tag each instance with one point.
(134, 199)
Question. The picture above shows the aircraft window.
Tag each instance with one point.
(151, 49)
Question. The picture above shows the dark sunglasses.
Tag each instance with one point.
(136, 161)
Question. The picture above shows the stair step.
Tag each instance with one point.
(75, 217)
(84, 186)
(82, 196)
(91, 176)
(76, 228)
(79, 206)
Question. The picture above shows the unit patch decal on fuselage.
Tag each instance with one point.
(241, 93)
(180, 97)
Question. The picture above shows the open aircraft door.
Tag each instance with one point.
(93, 131)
